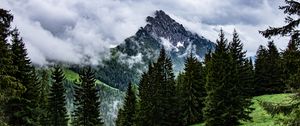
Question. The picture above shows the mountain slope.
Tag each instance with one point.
(133, 55)
(111, 98)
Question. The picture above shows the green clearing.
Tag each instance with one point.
(259, 115)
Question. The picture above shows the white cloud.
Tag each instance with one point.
(69, 29)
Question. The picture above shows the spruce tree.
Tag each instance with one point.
(159, 104)
(57, 100)
(165, 103)
(249, 77)
(291, 62)
(274, 69)
(225, 103)
(218, 69)
(192, 92)
(127, 115)
(268, 71)
(44, 95)
(27, 111)
(10, 87)
(260, 70)
(146, 93)
(242, 76)
(87, 102)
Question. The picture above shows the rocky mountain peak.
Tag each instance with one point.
(133, 55)
(162, 25)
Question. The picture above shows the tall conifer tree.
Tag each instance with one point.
(127, 115)
(242, 79)
(159, 102)
(268, 70)
(24, 110)
(192, 92)
(57, 100)
(224, 104)
(9, 86)
(87, 102)
(146, 93)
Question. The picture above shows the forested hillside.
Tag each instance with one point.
(164, 75)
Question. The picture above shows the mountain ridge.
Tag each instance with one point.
(134, 54)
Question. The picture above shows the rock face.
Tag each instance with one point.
(143, 47)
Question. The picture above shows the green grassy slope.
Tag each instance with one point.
(259, 115)
(72, 76)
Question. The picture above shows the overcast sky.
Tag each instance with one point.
(68, 29)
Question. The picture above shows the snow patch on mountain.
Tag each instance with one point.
(180, 44)
(168, 45)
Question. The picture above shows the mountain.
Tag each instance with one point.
(134, 54)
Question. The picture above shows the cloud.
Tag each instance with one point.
(68, 30)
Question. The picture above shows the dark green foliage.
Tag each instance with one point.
(158, 94)
(24, 110)
(87, 102)
(146, 92)
(260, 69)
(57, 101)
(165, 104)
(226, 102)
(127, 115)
(8, 83)
(217, 85)
(20, 58)
(290, 56)
(268, 71)
(191, 92)
(10, 87)
(45, 89)
(28, 103)
(242, 79)
(291, 63)
(249, 76)
(292, 9)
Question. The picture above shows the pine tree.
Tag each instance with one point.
(216, 85)
(165, 103)
(8, 83)
(27, 109)
(127, 115)
(87, 105)
(192, 92)
(269, 71)
(159, 104)
(291, 62)
(249, 76)
(274, 69)
(9, 86)
(44, 95)
(146, 93)
(57, 100)
(260, 70)
(225, 103)
(241, 77)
